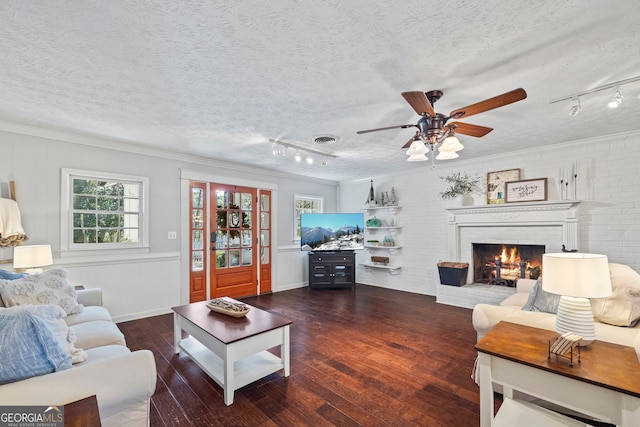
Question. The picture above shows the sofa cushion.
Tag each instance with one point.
(89, 314)
(53, 317)
(28, 348)
(541, 300)
(50, 287)
(622, 308)
(8, 275)
(97, 333)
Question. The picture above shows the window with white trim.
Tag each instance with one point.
(104, 210)
(304, 204)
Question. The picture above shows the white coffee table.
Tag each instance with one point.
(232, 351)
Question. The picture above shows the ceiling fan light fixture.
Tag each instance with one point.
(451, 144)
(616, 100)
(417, 148)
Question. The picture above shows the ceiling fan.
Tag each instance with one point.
(433, 128)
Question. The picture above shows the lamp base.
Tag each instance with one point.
(575, 315)
(34, 270)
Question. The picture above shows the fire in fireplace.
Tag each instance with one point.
(499, 264)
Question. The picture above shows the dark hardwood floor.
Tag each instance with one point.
(364, 357)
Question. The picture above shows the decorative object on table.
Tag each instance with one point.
(373, 222)
(384, 260)
(387, 241)
(373, 242)
(453, 273)
(228, 306)
(565, 344)
(460, 185)
(371, 199)
(576, 277)
(528, 190)
(496, 184)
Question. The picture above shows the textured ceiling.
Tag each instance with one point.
(219, 78)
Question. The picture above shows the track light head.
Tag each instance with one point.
(616, 100)
(575, 108)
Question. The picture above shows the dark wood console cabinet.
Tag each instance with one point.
(332, 269)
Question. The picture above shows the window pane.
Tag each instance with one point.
(246, 237)
(222, 199)
(234, 257)
(130, 235)
(247, 201)
(84, 202)
(108, 204)
(264, 220)
(84, 186)
(131, 190)
(131, 220)
(81, 220)
(247, 256)
(234, 239)
(234, 202)
(221, 259)
(265, 256)
(197, 198)
(264, 239)
(197, 241)
(197, 261)
(264, 202)
(222, 241)
(110, 220)
(234, 219)
(131, 205)
(197, 218)
(221, 219)
(246, 219)
(84, 236)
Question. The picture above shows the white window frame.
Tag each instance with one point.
(296, 213)
(66, 213)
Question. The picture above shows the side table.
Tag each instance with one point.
(604, 386)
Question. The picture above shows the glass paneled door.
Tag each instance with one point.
(234, 242)
(197, 250)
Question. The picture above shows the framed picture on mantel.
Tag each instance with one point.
(496, 184)
(529, 190)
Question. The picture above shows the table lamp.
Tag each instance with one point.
(32, 258)
(576, 277)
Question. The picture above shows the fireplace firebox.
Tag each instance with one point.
(504, 264)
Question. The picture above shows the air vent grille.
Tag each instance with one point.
(325, 139)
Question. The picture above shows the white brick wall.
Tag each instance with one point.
(607, 185)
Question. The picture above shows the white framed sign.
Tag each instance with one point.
(529, 190)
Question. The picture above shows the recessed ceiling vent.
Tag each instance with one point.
(325, 139)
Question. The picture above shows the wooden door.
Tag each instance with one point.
(197, 235)
(265, 241)
(234, 242)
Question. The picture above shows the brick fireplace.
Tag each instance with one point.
(542, 224)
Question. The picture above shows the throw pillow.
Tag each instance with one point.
(53, 317)
(622, 308)
(8, 275)
(50, 287)
(541, 300)
(28, 348)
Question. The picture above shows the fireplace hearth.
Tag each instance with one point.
(504, 264)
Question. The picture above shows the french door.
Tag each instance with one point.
(232, 251)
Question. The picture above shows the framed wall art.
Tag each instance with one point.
(529, 190)
(496, 184)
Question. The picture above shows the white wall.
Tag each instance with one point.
(607, 184)
(144, 284)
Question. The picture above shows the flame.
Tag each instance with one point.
(512, 257)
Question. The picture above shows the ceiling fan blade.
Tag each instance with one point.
(387, 128)
(469, 129)
(419, 102)
(489, 104)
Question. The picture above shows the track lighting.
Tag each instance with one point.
(616, 100)
(279, 148)
(575, 108)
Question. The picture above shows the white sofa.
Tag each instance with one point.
(123, 381)
(486, 316)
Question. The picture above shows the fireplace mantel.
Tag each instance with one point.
(563, 213)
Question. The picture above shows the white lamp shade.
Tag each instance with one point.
(446, 155)
(451, 144)
(32, 256)
(417, 148)
(417, 158)
(576, 275)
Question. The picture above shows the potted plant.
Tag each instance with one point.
(460, 184)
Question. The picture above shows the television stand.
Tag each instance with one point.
(332, 269)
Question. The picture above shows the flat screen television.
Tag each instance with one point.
(332, 231)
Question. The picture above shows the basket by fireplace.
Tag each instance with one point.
(453, 273)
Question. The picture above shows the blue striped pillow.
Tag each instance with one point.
(28, 348)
